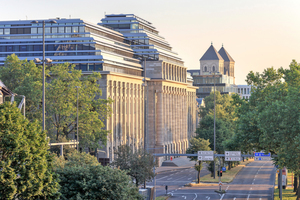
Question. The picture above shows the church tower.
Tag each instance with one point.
(228, 62)
(211, 62)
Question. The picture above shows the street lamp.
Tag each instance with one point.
(77, 118)
(214, 73)
(37, 60)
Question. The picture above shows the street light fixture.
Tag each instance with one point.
(37, 60)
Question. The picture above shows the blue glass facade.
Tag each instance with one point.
(86, 45)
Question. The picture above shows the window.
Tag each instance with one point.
(213, 68)
(6, 31)
(54, 29)
(239, 90)
(68, 29)
(205, 69)
(40, 30)
(47, 30)
(248, 91)
(81, 29)
(34, 30)
(1, 31)
(75, 29)
(61, 29)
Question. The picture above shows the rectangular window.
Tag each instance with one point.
(98, 67)
(81, 29)
(47, 30)
(83, 67)
(1, 31)
(13, 31)
(75, 29)
(6, 31)
(15, 48)
(23, 48)
(54, 29)
(239, 90)
(9, 48)
(33, 30)
(61, 29)
(40, 30)
(248, 91)
(68, 30)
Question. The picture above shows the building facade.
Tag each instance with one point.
(244, 91)
(216, 70)
(120, 48)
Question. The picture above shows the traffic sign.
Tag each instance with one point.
(233, 156)
(220, 183)
(206, 155)
(224, 169)
(262, 156)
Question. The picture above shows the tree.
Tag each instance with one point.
(24, 78)
(82, 177)
(62, 101)
(25, 163)
(139, 164)
(225, 120)
(198, 144)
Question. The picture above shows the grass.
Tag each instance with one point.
(162, 197)
(227, 176)
(287, 194)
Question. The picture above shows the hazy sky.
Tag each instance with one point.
(257, 33)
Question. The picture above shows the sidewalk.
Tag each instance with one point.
(179, 163)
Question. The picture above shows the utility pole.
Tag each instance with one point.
(214, 123)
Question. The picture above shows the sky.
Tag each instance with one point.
(257, 34)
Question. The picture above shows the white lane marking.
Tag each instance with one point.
(248, 196)
(234, 198)
(222, 196)
(208, 198)
(227, 188)
(184, 197)
(195, 197)
(252, 183)
(169, 178)
(189, 178)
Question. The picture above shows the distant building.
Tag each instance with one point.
(118, 48)
(244, 91)
(215, 68)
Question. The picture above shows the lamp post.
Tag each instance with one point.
(44, 60)
(214, 121)
(77, 119)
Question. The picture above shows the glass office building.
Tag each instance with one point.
(143, 37)
(76, 41)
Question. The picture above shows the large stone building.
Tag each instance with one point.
(216, 67)
(120, 48)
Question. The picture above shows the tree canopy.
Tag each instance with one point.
(25, 163)
(25, 78)
(82, 177)
(139, 164)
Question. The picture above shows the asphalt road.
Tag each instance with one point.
(255, 181)
(175, 179)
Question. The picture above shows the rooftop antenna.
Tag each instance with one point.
(211, 43)
(26, 17)
(104, 13)
(222, 44)
(70, 16)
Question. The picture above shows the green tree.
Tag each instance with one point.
(82, 177)
(24, 78)
(25, 163)
(198, 144)
(139, 164)
(225, 120)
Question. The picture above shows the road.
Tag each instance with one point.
(255, 181)
(176, 179)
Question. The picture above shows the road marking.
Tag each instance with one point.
(250, 188)
(252, 183)
(195, 197)
(227, 188)
(208, 198)
(234, 198)
(222, 196)
(184, 197)
(248, 196)
(189, 178)
(169, 178)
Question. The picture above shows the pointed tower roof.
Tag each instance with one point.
(211, 54)
(225, 55)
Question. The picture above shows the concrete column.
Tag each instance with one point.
(159, 120)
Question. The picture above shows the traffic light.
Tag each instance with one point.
(220, 173)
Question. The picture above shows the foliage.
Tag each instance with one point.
(82, 177)
(62, 105)
(139, 164)
(26, 166)
(24, 78)
(225, 120)
(197, 144)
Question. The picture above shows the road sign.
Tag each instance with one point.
(233, 156)
(220, 183)
(224, 169)
(262, 156)
(206, 155)
(263, 159)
